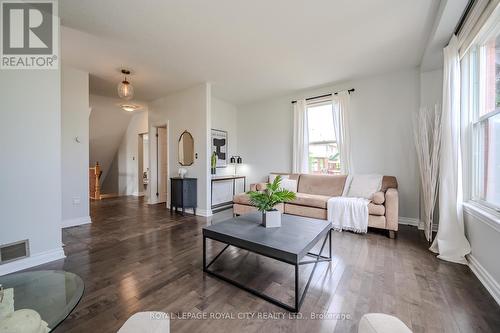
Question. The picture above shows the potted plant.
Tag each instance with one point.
(266, 200)
(213, 163)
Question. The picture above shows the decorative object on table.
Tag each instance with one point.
(235, 160)
(183, 194)
(266, 201)
(219, 146)
(125, 89)
(23, 321)
(213, 163)
(6, 302)
(186, 149)
(182, 172)
(427, 133)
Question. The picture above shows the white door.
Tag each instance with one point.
(162, 164)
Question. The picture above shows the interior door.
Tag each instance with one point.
(162, 164)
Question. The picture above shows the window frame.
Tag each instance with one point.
(316, 103)
(477, 70)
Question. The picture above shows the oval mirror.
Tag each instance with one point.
(186, 149)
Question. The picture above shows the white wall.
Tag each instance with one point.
(265, 138)
(128, 155)
(189, 110)
(30, 145)
(224, 117)
(483, 234)
(75, 114)
(108, 124)
(431, 88)
(108, 127)
(381, 132)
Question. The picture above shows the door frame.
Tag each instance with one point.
(153, 162)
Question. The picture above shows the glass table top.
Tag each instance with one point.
(53, 294)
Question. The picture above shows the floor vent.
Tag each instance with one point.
(14, 251)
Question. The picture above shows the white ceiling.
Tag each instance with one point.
(249, 50)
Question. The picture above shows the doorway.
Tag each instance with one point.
(162, 164)
(144, 172)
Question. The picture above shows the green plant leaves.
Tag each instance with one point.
(271, 196)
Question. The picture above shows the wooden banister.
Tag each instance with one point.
(94, 182)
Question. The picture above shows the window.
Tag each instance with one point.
(485, 75)
(323, 153)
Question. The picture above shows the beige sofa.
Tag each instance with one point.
(313, 192)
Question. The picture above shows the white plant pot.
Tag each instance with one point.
(271, 219)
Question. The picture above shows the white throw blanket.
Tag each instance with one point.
(348, 214)
(350, 211)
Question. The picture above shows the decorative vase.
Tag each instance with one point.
(182, 172)
(271, 219)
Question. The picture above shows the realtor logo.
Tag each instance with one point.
(29, 36)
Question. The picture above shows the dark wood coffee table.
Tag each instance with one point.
(290, 244)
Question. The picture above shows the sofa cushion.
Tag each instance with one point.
(310, 200)
(374, 209)
(312, 212)
(375, 221)
(378, 198)
(242, 198)
(326, 185)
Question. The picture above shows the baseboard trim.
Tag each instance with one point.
(138, 194)
(409, 221)
(486, 279)
(33, 260)
(76, 222)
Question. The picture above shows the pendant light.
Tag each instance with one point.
(125, 89)
(130, 107)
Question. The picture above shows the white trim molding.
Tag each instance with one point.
(33, 260)
(76, 222)
(486, 279)
(138, 194)
(482, 215)
(410, 221)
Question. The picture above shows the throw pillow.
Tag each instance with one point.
(364, 186)
(274, 175)
(289, 184)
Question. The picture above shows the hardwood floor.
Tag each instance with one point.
(135, 257)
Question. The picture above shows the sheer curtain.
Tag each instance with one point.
(340, 108)
(450, 242)
(300, 163)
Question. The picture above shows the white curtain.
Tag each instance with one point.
(341, 108)
(450, 242)
(300, 163)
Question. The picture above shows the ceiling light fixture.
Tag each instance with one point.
(125, 89)
(130, 107)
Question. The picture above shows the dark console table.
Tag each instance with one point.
(183, 194)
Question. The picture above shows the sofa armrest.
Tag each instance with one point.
(392, 209)
(258, 187)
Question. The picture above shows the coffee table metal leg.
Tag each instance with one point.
(296, 309)
(204, 254)
(319, 258)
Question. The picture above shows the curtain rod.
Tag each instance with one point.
(464, 16)
(327, 95)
